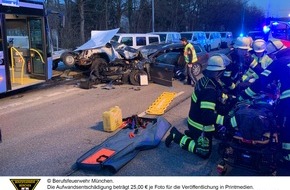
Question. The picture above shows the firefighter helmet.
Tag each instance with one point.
(217, 62)
(242, 43)
(259, 45)
(274, 46)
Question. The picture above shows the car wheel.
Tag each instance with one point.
(135, 77)
(68, 59)
(196, 69)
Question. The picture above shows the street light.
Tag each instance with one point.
(243, 19)
(153, 16)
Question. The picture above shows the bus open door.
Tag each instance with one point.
(26, 58)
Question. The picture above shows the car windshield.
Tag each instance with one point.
(197, 49)
(115, 38)
(223, 35)
(200, 36)
(150, 49)
(256, 35)
(162, 37)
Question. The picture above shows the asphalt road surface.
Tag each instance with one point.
(45, 130)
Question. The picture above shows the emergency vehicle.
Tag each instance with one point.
(279, 30)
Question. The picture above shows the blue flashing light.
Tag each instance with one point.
(266, 29)
(241, 35)
(275, 23)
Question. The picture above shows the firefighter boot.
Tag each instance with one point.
(174, 135)
(203, 148)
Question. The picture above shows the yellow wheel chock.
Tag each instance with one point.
(159, 106)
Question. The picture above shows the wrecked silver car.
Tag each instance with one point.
(107, 60)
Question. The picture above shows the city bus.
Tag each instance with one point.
(25, 45)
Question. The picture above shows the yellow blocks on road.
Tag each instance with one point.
(159, 106)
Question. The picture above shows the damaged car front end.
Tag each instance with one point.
(109, 61)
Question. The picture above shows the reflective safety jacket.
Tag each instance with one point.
(189, 54)
(279, 70)
(233, 71)
(203, 110)
(263, 61)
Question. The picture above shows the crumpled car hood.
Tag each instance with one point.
(98, 39)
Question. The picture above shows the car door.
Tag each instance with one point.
(162, 67)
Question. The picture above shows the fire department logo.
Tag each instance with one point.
(24, 184)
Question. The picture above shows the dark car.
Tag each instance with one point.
(151, 48)
(168, 62)
(257, 35)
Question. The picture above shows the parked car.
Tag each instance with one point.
(227, 39)
(256, 35)
(171, 37)
(196, 37)
(136, 40)
(168, 63)
(214, 40)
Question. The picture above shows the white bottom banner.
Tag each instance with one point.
(144, 183)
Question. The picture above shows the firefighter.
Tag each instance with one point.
(203, 116)
(190, 58)
(239, 55)
(279, 70)
(275, 47)
(259, 56)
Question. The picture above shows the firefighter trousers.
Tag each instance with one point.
(194, 140)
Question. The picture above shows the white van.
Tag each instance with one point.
(168, 36)
(214, 40)
(227, 39)
(136, 40)
(196, 37)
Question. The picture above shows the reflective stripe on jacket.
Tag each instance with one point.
(203, 114)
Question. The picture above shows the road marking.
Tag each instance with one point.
(12, 105)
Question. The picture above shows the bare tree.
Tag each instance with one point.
(82, 16)
(81, 4)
